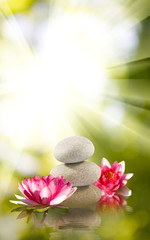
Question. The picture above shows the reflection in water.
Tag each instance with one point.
(75, 234)
(113, 203)
(75, 223)
(64, 218)
(80, 217)
(76, 220)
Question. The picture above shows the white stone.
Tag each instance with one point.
(81, 174)
(84, 197)
(74, 149)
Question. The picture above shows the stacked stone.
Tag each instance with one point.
(73, 152)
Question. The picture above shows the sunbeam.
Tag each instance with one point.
(98, 115)
(15, 30)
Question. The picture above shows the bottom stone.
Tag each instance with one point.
(83, 197)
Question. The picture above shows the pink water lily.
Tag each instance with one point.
(113, 180)
(44, 191)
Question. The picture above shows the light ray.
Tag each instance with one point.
(97, 113)
(15, 29)
(139, 103)
(135, 63)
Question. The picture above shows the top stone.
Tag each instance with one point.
(74, 149)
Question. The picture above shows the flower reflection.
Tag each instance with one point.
(115, 203)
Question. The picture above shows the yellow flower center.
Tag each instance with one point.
(109, 175)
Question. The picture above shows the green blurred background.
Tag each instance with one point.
(75, 68)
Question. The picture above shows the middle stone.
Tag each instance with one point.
(81, 174)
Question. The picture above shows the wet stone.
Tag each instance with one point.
(81, 174)
(74, 149)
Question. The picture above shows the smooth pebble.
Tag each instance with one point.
(81, 174)
(83, 197)
(74, 149)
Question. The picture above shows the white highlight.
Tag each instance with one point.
(66, 69)
(113, 115)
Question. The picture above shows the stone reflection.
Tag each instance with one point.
(72, 223)
(74, 234)
(74, 218)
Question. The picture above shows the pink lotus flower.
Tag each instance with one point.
(113, 180)
(45, 191)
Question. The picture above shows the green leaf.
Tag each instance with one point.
(22, 214)
(18, 209)
(58, 210)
